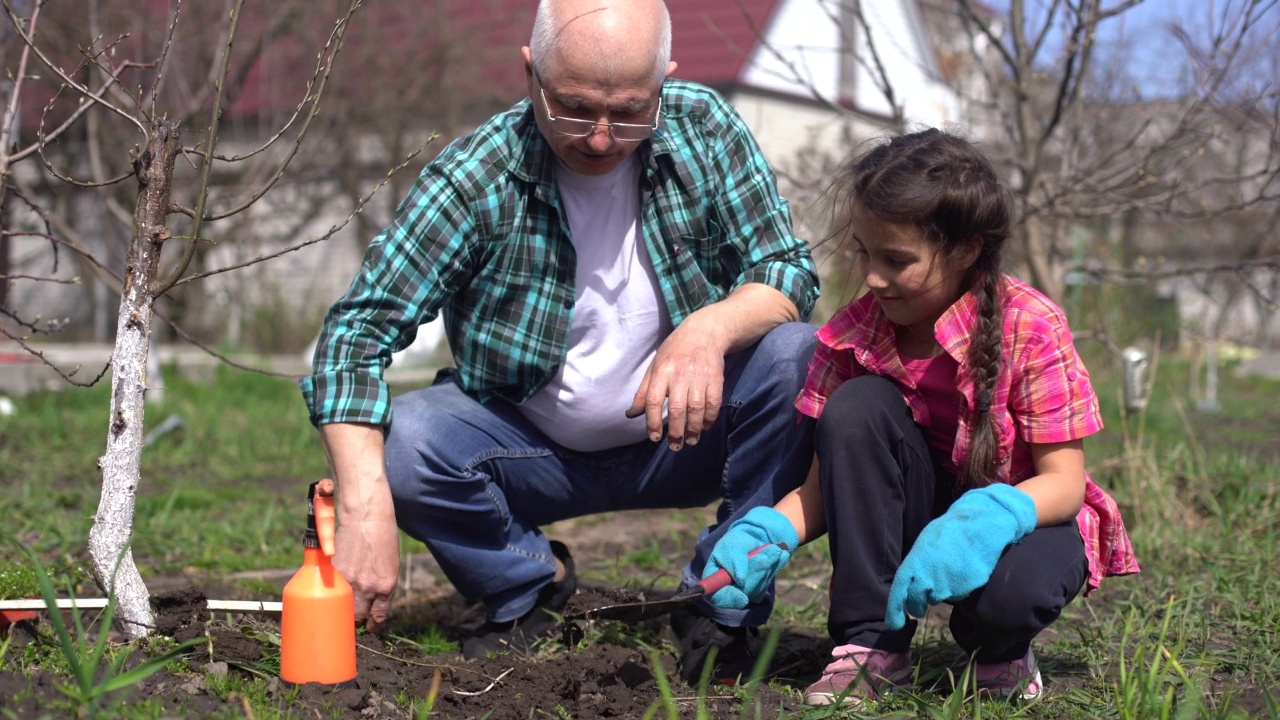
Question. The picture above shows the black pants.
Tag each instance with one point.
(880, 487)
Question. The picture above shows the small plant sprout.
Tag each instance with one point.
(95, 672)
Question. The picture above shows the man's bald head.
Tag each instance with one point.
(610, 39)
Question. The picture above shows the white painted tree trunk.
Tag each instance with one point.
(109, 539)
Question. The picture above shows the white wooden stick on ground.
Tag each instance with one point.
(250, 606)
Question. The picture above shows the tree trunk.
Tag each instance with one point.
(1039, 240)
(121, 465)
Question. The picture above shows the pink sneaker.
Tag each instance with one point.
(857, 674)
(1019, 678)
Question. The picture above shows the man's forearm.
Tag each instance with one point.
(746, 315)
(368, 539)
(357, 458)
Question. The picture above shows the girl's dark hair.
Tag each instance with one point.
(946, 186)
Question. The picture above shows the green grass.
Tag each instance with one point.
(1194, 636)
(246, 442)
(18, 580)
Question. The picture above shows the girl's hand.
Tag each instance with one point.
(957, 552)
(763, 529)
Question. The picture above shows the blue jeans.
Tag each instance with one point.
(475, 481)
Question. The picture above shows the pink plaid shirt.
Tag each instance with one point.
(1043, 391)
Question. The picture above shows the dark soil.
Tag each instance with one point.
(613, 676)
(618, 670)
(610, 675)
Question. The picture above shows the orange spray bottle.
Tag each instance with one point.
(317, 625)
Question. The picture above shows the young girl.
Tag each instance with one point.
(951, 409)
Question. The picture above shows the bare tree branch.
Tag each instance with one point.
(215, 118)
(327, 56)
(11, 109)
(222, 357)
(40, 278)
(66, 79)
(67, 376)
(162, 62)
(68, 237)
(360, 205)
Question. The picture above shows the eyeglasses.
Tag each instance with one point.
(622, 132)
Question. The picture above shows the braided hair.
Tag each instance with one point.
(944, 185)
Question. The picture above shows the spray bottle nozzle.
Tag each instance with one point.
(321, 517)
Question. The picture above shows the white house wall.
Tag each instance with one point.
(809, 45)
(784, 127)
(300, 283)
(801, 56)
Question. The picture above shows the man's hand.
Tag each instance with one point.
(368, 555)
(368, 540)
(688, 375)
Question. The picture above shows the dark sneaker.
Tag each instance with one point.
(697, 636)
(519, 636)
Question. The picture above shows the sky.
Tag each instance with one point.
(1146, 27)
(1154, 59)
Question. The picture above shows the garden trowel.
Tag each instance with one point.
(646, 609)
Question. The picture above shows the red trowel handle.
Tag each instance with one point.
(712, 583)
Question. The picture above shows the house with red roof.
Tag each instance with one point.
(811, 78)
(814, 73)
(804, 74)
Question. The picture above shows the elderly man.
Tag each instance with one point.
(623, 298)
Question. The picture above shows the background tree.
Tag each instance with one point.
(1127, 174)
(144, 221)
(1127, 177)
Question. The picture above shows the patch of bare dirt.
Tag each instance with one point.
(614, 676)
(618, 673)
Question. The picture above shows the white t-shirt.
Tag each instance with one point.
(618, 316)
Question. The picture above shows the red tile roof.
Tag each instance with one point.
(397, 43)
(389, 42)
(711, 40)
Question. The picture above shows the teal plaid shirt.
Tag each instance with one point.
(482, 237)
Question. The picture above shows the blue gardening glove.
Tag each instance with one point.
(751, 576)
(957, 552)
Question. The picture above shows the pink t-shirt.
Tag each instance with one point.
(935, 379)
(1043, 395)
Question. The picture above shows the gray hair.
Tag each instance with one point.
(546, 36)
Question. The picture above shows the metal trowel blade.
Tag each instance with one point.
(642, 610)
